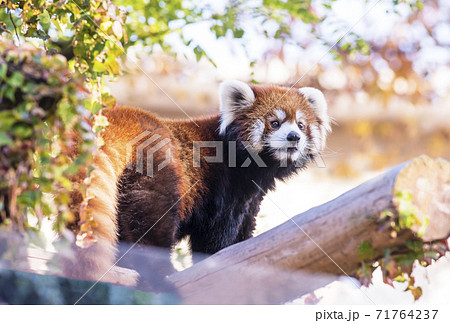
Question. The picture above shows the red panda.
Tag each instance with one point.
(264, 133)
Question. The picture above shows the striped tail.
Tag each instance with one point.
(96, 261)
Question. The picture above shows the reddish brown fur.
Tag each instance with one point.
(126, 123)
(290, 101)
(270, 98)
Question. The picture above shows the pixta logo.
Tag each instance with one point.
(145, 146)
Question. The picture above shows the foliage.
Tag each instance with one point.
(88, 33)
(42, 106)
(397, 263)
(407, 215)
(366, 251)
(93, 27)
(148, 22)
(42, 98)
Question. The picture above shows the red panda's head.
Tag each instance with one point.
(288, 123)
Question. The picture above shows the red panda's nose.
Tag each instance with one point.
(293, 136)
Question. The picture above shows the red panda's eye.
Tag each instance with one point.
(275, 124)
(301, 126)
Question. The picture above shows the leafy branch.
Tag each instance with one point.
(397, 263)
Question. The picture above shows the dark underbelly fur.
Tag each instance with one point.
(148, 211)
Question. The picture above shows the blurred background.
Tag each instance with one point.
(383, 65)
(389, 105)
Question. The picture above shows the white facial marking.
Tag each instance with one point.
(285, 155)
(279, 144)
(316, 137)
(299, 115)
(278, 138)
(280, 114)
(234, 95)
(256, 135)
(319, 105)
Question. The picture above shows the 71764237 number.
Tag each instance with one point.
(404, 314)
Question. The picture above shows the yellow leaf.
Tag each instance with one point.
(104, 26)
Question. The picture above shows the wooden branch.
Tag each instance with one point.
(306, 253)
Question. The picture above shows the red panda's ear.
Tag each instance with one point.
(318, 103)
(234, 95)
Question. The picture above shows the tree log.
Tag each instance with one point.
(309, 250)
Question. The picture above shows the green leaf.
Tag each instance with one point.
(7, 119)
(198, 51)
(112, 65)
(66, 111)
(99, 67)
(406, 209)
(94, 107)
(423, 227)
(9, 93)
(415, 245)
(109, 101)
(3, 70)
(4, 139)
(238, 33)
(44, 21)
(15, 80)
(366, 251)
(29, 198)
(22, 130)
(57, 22)
(400, 278)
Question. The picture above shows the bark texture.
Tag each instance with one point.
(306, 252)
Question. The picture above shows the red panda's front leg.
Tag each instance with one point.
(149, 215)
(211, 230)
